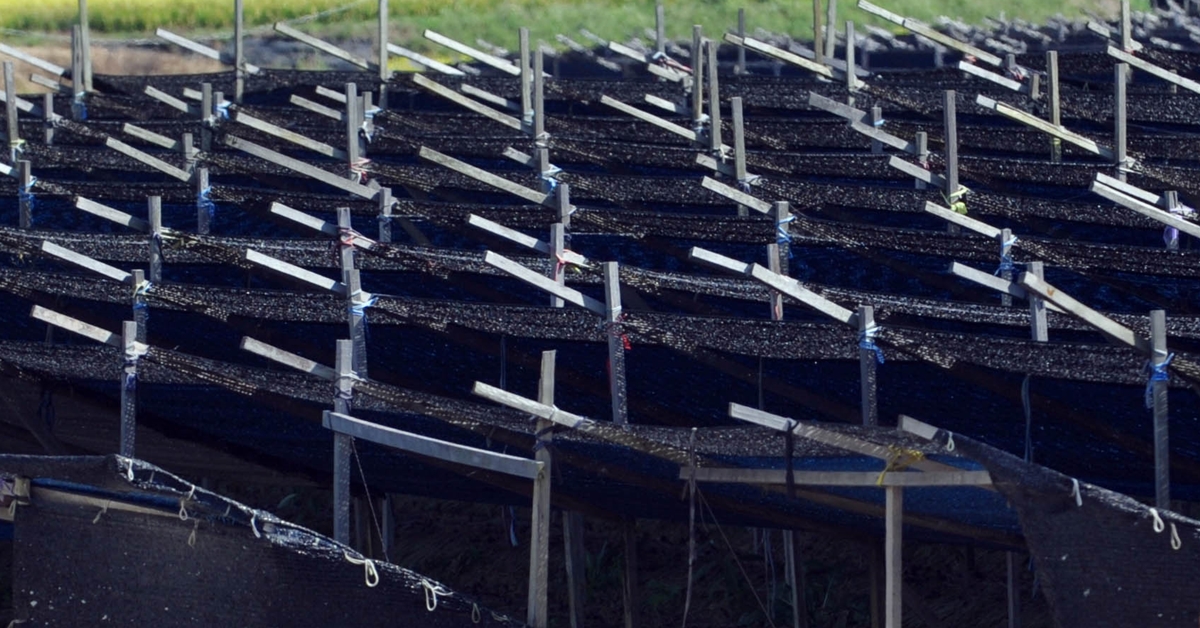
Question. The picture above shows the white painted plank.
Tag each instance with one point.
(290, 136)
(296, 272)
(108, 213)
(75, 325)
(529, 406)
(479, 174)
(1147, 210)
(150, 136)
(149, 160)
(85, 262)
(288, 358)
(543, 283)
(717, 260)
(522, 239)
(481, 109)
(793, 289)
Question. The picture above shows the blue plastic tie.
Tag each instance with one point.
(79, 100)
(1170, 236)
(205, 202)
(1006, 260)
(1157, 373)
(866, 340)
(878, 123)
(781, 233)
(25, 193)
(360, 309)
(223, 110)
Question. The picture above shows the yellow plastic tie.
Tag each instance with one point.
(900, 459)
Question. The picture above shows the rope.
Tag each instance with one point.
(866, 341)
(81, 105)
(371, 575)
(223, 110)
(949, 441)
(192, 537)
(103, 511)
(359, 167)
(900, 459)
(431, 594)
(1156, 373)
(1028, 406)
(1159, 526)
(1176, 543)
(367, 490)
(254, 526)
(1078, 495)
(475, 618)
(704, 504)
(183, 513)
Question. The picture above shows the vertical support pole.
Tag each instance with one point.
(188, 146)
(539, 546)
(1171, 200)
(867, 364)
(739, 148)
(794, 574)
(539, 97)
(660, 28)
(563, 202)
(697, 79)
(878, 579)
(526, 81)
(740, 68)
(876, 120)
(154, 209)
(830, 28)
(388, 524)
(128, 388)
(782, 214)
(851, 79)
(952, 144)
(342, 443)
(922, 155)
(616, 342)
(25, 198)
(11, 128)
(1120, 79)
(818, 33)
(239, 50)
(140, 314)
(206, 117)
(385, 214)
(48, 117)
(353, 147)
(1037, 307)
(629, 530)
(385, 74)
(355, 305)
(1162, 442)
(1005, 273)
(1055, 109)
(1013, 581)
(85, 47)
(557, 246)
(575, 557)
(203, 202)
(1126, 27)
(714, 100)
(77, 72)
(893, 543)
(775, 265)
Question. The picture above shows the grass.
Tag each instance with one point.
(497, 21)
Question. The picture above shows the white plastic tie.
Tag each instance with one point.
(370, 575)
(254, 526)
(949, 441)
(1176, 543)
(183, 513)
(432, 592)
(192, 536)
(1076, 494)
(103, 510)
(475, 618)
(1159, 526)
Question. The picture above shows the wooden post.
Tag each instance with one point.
(155, 218)
(77, 72)
(539, 97)
(740, 68)
(697, 80)
(526, 79)
(342, 443)
(385, 74)
(239, 50)
(128, 388)
(739, 147)
(866, 364)
(557, 246)
(575, 558)
(830, 29)
(1037, 307)
(775, 265)
(539, 546)
(714, 100)
(140, 314)
(204, 206)
(1055, 109)
(629, 531)
(616, 342)
(562, 199)
(1005, 273)
(951, 131)
(353, 147)
(1119, 84)
(851, 79)
(11, 128)
(206, 117)
(85, 47)
(355, 299)
(1162, 449)
(1126, 27)
(385, 214)
(794, 571)
(1171, 201)
(25, 195)
(876, 121)
(782, 214)
(818, 32)
(893, 543)
(48, 117)
(660, 29)
(922, 155)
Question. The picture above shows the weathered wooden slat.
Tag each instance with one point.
(86, 330)
(524, 240)
(23, 105)
(41, 64)
(759, 417)
(736, 195)
(1107, 33)
(930, 34)
(1002, 81)
(917, 428)
(170, 101)
(884, 137)
(793, 289)
(483, 57)
(323, 46)
(666, 105)
(301, 167)
(670, 74)
(483, 110)
(149, 160)
(1150, 68)
(838, 478)
(46, 82)
(479, 174)
(842, 110)
(108, 213)
(288, 359)
(316, 107)
(529, 406)
(85, 262)
(1053, 130)
(431, 447)
(432, 64)
(290, 136)
(718, 261)
(543, 283)
(978, 226)
(766, 49)
(203, 50)
(150, 136)
(312, 222)
(488, 97)
(296, 272)
(920, 174)
(648, 117)
(1147, 210)
(1071, 306)
(988, 280)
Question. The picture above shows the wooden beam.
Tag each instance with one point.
(153, 162)
(533, 196)
(1106, 33)
(316, 107)
(490, 98)
(648, 117)
(717, 260)
(1037, 123)
(431, 447)
(323, 46)
(988, 280)
(1115, 330)
(543, 283)
(736, 195)
(288, 359)
(793, 289)
(203, 50)
(490, 60)
(299, 217)
(151, 137)
(290, 136)
(920, 174)
(841, 110)
(301, 167)
(768, 50)
(41, 64)
(75, 325)
(1002, 81)
(170, 101)
(467, 103)
(108, 213)
(930, 34)
(838, 478)
(884, 137)
(522, 239)
(1145, 209)
(978, 226)
(432, 64)
(85, 262)
(295, 272)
